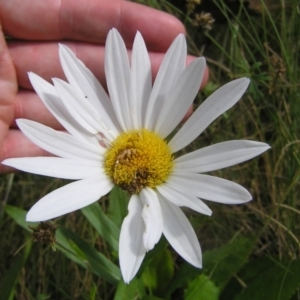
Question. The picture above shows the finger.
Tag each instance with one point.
(8, 82)
(17, 145)
(88, 20)
(42, 59)
(29, 106)
(8, 89)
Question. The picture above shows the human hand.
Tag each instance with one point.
(36, 28)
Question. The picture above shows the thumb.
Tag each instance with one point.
(8, 91)
(8, 86)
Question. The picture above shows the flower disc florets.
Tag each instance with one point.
(138, 159)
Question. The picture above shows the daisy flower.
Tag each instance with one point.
(120, 139)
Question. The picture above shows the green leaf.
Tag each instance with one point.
(104, 225)
(117, 207)
(222, 263)
(185, 274)
(43, 297)
(70, 250)
(93, 292)
(148, 297)
(267, 278)
(19, 216)
(98, 263)
(74, 248)
(202, 288)
(133, 290)
(11, 277)
(159, 273)
(209, 88)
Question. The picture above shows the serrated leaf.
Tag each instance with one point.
(133, 290)
(103, 225)
(202, 288)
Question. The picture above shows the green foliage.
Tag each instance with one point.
(222, 263)
(8, 284)
(133, 290)
(117, 206)
(159, 272)
(19, 216)
(202, 288)
(185, 274)
(98, 263)
(103, 225)
(75, 248)
(266, 278)
(93, 292)
(70, 249)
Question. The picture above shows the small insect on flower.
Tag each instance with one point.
(121, 139)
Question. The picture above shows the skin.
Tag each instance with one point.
(36, 27)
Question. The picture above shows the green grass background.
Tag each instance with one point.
(250, 251)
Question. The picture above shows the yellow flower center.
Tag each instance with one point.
(138, 159)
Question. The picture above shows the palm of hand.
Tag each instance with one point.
(37, 27)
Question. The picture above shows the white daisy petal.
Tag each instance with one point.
(186, 88)
(152, 217)
(68, 198)
(219, 156)
(215, 105)
(59, 143)
(140, 81)
(75, 102)
(50, 98)
(131, 246)
(180, 234)
(171, 68)
(81, 78)
(82, 111)
(211, 188)
(181, 198)
(117, 73)
(56, 167)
